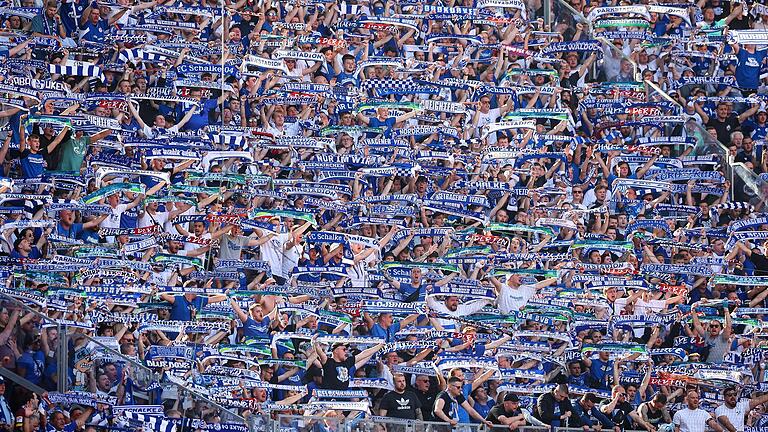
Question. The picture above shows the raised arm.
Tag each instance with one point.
(696, 323)
(242, 316)
(59, 138)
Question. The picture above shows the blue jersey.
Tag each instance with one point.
(253, 329)
(183, 309)
(32, 164)
(748, 68)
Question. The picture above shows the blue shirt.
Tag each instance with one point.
(599, 373)
(198, 120)
(388, 334)
(748, 68)
(344, 79)
(69, 12)
(130, 218)
(463, 414)
(182, 309)
(95, 32)
(32, 164)
(483, 409)
(387, 124)
(253, 329)
(33, 364)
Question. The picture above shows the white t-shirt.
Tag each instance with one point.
(691, 420)
(484, 119)
(641, 306)
(272, 252)
(160, 278)
(113, 219)
(513, 299)
(463, 309)
(358, 273)
(289, 129)
(192, 246)
(736, 414)
(291, 258)
(159, 218)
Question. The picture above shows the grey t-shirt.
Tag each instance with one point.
(717, 348)
(231, 247)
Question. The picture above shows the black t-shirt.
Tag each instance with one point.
(336, 374)
(620, 414)
(761, 264)
(724, 128)
(402, 406)
(655, 417)
(427, 401)
(498, 411)
(451, 405)
(51, 159)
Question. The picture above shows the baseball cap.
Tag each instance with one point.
(511, 397)
(339, 344)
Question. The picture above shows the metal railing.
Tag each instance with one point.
(746, 184)
(143, 376)
(339, 423)
(739, 174)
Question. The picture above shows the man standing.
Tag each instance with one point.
(32, 161)
(589, 417)
(749, 60)
(401, 403)
(426, 396)
(554, 408)
(600, 369)
(338, 367)
(74, 149)
(731, 414)
(692, 418)
(256, 326)
(618, 409)
(514, 295)
(718, 337)
(48, 23)
(448, 402)
(6, 415)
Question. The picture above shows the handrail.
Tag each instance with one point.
(575, 13)
(155, 376)
(733, 168)
(29, 385)
(730, 164)
(286, 422)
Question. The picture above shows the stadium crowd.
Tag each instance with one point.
(361, 211)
